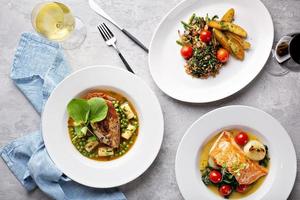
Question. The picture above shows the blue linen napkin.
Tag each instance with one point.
(38, 66)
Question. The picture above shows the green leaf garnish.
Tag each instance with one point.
(78, 110)
(98, 109)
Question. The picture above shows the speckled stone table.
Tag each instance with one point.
(278, 96)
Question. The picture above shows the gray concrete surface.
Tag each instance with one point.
(277, 96)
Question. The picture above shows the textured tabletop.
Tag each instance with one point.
(278, 96)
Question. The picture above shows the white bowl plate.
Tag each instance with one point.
(283, 163)
(102, 174)
(167, 65)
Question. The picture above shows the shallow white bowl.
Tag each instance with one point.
(167, 65)
(283, 164)
(96, 173)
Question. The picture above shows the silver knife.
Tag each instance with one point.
(101, 12)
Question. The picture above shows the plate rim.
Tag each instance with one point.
(155, 154)
(233, 107)
(214, 99)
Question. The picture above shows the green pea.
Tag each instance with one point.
(124, 143)
(130, 142)
(120, 153)
(123, 151)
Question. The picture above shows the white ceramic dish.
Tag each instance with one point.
(283, 164)
(96, 173)
(167, 65)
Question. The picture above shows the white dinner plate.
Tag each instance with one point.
(283, 163)
(94, 173)
(167, 65)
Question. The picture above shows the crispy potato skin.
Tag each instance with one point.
(228, 16)
(222, 39)
(228, 26)
(246, 45)
(236, 49)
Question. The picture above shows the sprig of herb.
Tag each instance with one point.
(83, 112)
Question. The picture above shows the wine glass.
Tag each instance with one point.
(55, 21)
(285, 55)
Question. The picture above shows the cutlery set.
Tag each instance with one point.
(108, 35)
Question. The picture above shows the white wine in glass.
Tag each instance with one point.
(55, 21)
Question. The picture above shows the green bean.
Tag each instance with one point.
(179, 42)
(192, 18)
(185, 25)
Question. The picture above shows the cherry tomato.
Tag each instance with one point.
(222, 55)
(186, 52)
(215, 176)
(205, 36)
(225, 190)
(242, 188)
(241, 138)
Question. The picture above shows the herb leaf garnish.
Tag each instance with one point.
(84, 112)
(79, 110)
(98, 109)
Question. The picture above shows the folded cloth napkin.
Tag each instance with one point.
(37, 68)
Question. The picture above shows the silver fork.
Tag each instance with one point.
(110, 40)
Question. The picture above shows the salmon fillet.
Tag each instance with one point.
(226, 153)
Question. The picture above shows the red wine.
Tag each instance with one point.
(294, 48)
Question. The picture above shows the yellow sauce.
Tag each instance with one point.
(203, 163)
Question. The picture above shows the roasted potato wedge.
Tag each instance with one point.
(222, 39)
(237, 49)
(227, 26)
(228, 16)
(246, 45)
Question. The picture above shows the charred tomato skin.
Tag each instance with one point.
(225, 190)
(215, 176)
(186, 52)
(241, 138)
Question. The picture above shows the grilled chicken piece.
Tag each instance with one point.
(108, 130)
(226, 153)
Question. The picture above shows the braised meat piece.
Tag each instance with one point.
(108, 130)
